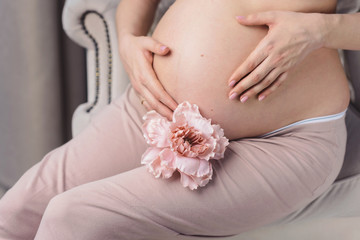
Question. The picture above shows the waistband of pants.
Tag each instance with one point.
(326, 118)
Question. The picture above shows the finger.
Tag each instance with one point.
(142, 99)
(275, 85)
(149, 56)
(262, 18)
(253, 78)
(146, 105)
(266, 82)
(137, 86)
(251, 62)
(156, 105)
(155, 46)
(156, 88)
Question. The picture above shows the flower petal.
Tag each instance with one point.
(188, 181)
(185, 108)
(156, 129)
(193, 182)
(152, 161)
(222, 142)
(150, 155)
(192, 166)
(209, 153)
(190, 114)
(202, 181)
(201, 124)
(167, 162)
(159, 162)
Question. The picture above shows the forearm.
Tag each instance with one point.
(135, 17)
(341, 31)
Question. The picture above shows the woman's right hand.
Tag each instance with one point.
(136, 53)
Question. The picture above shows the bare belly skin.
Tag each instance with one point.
(207, 45)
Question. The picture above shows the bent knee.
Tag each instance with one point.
(82, 213)
(63, 207)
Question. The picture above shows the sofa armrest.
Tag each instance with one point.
(91, 24)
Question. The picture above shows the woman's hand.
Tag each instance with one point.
(136, 53)
(291, 37)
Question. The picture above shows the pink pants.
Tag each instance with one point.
(94, 187)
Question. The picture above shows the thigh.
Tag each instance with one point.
(257, 182)
(111, 143)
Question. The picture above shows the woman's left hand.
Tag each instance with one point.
(291, 36)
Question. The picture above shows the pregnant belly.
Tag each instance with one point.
(207, 45)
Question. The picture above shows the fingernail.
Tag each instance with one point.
(243, 99)
(261, 98)
(240, 17)
(232, 83)
(162, 48)
(233, 96)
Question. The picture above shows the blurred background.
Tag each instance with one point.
(42, 81)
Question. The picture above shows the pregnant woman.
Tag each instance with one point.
(284, 150)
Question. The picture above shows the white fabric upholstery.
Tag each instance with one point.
(72, 12)
(337, 209)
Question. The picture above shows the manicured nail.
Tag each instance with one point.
(162, 48)
(232, 83)
(233, 96)
(243, 99)
(261, 97)
(240, 17)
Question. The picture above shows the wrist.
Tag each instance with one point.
(319, 29)
(328, 23)
(123, 35)
(123, 40)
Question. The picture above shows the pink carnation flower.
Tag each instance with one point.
(185, 145)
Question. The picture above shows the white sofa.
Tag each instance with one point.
(334, 215)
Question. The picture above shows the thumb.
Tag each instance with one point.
(156, 47)
(263, 18)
